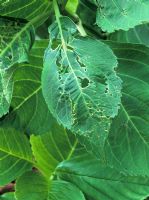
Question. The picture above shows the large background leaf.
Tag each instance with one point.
(136, 35)
(115, 15)
(35, 11)
(80, 85)
(99, 182)
(128, 146)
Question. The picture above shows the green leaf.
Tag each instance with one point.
(28, 105)
(84, 10)
(6, 89)
(32, 186)
(35, 11)
(98, 182)
(128, 146)
(71, 6)
(64, 190)
(80, 85)
(16, 39)
(52, 148)
(116, 15)
(15, 155)
(136, 35)
(8, 196)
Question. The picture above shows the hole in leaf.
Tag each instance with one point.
(55, 44)
(84, 82)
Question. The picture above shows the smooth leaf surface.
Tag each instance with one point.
(71, 6)
(98, 182)
(52, 148)
(32, 186)
(28, 104)
(8, 196)
(15, 155)
(128, 145)
(117, 14)
(80, 85)
(136, 35)
(64, 190)
(35, 11)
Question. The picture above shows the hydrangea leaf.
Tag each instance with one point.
(98, 182)
(117, 14)
(136, 35)
(15, 155)
(128, 144)
(32, 186)
(27, 92)
(80, 84)
(34, 11)
(16, 38)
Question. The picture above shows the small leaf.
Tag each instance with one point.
(15, 155)
(115, 15)
(71, 6)
(128, 143)
(64, 190)
(32, 186)
(8, 196)
(80, 85)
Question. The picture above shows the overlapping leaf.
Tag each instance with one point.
(32, 186)
(28, 105)
(80, 85)
(128, 146)
(64, 190)
(16, 39)
(136, 35)
(117, 14)
(98, 182)
(35, 11)
(52, 148)
(15, 155)
(8, 196)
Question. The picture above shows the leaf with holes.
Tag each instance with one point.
(116, 14)
(16, 39)
(128, 138)
(80, 84)
(27, 92)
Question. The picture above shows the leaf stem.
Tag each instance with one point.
(7, 188)
(58, 15)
